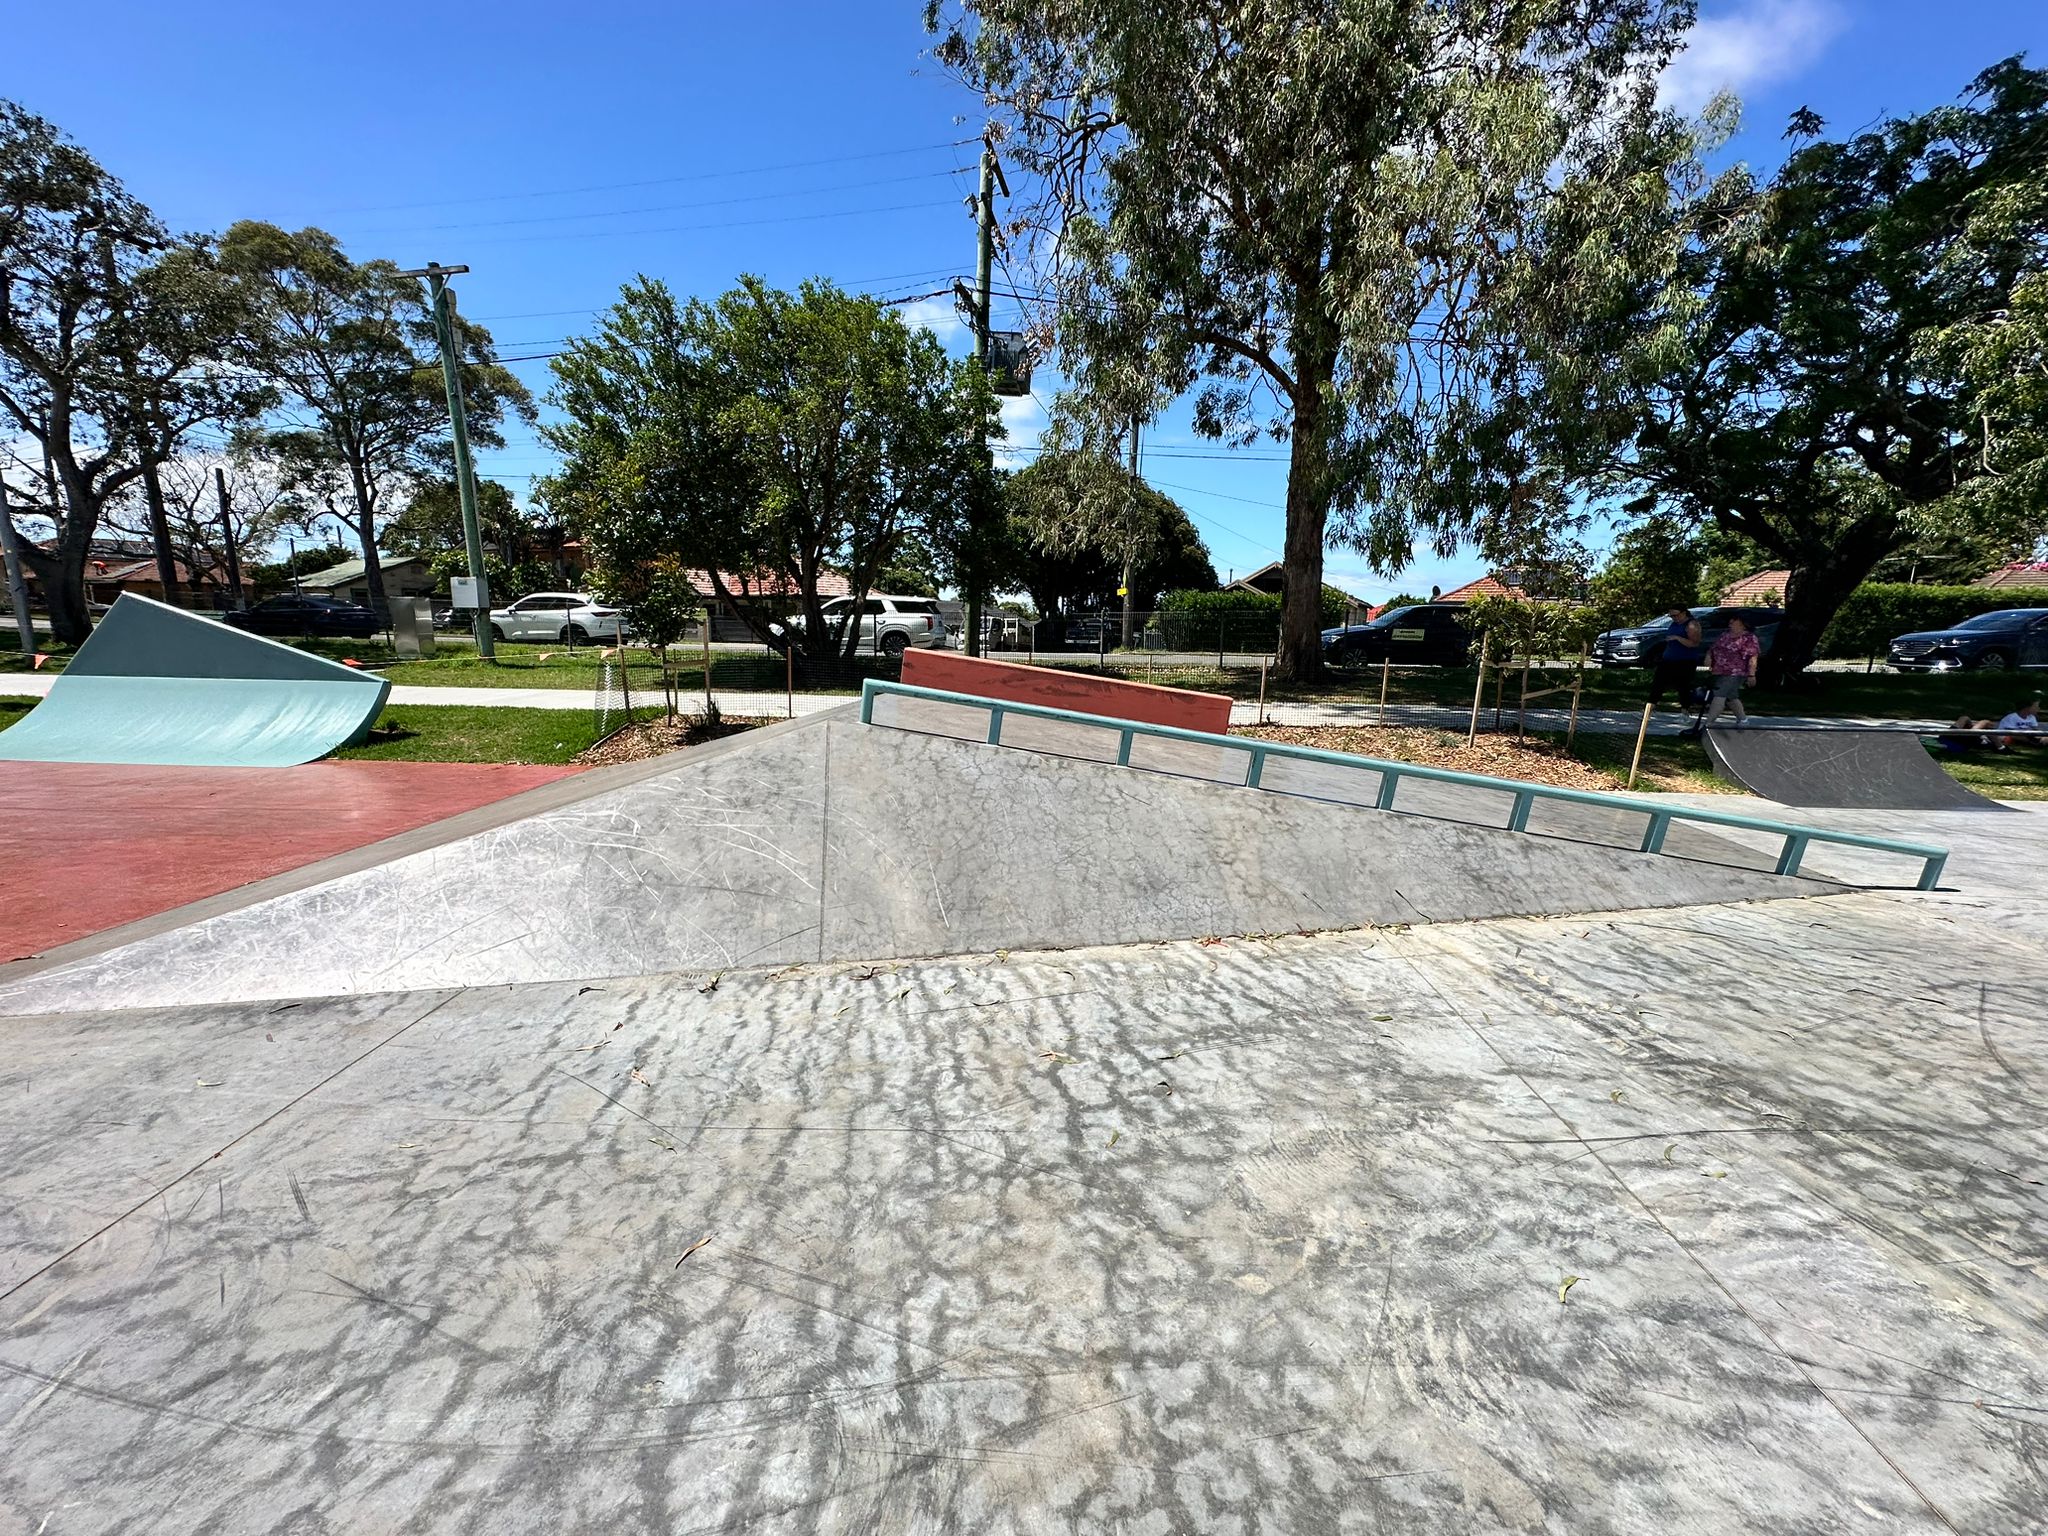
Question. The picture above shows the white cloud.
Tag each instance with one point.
(939, 316)
(1025, 421)
(1756, 43)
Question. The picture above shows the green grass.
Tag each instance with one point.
(2018, 775)
(479, 733)
(12, 708)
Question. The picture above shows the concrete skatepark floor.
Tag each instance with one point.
(1724, 1216)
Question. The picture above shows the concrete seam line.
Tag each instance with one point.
(288, 1105)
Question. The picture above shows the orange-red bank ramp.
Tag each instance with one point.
(89, 846)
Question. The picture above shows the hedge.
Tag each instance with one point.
(1879, 611)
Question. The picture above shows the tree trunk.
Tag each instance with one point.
(62, 580)
(1300, 657)
(1814, 593)
(160, 533)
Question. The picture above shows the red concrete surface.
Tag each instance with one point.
(1059, 689)
(88, 846)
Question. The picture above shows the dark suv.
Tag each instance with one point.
(1642, 645)
(305, 614)
(1990, 642)
(1425, 634)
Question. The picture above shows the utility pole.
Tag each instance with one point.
(17, 588)
(443, 299)
(227, 533)
(978, 512)
(1130, 532)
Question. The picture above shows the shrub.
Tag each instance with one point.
(1878, 611)
(1244, 620)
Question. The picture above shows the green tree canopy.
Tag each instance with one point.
(1338, 222)
(766, 438)
(113, 340)
(1078, 521)
(349, 347)
(1850, 356)
(1654, 565)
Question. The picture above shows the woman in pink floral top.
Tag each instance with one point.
(1732, 661)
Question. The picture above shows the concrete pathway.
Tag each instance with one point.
(774, 706)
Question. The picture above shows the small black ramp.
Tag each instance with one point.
(1839, 766)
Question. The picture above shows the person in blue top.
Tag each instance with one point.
(1683, 647)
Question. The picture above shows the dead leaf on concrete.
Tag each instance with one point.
(1568, 1282)
(692, 1249)
(1616, 1096)
(1114, 1136)
(202, 1082)
(635, 1074)
(1057, 1058)
(712, 984)
(593, 1046)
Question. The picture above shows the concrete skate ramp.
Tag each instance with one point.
(825, 839)
(1872, 769)
(155, 685)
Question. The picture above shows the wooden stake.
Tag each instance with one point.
(1262, 693)
(1478, 691)
(1386, 666)
(789, 677)
(707, 661)
(1522, 710)
(1578, 683)
(1642, 733)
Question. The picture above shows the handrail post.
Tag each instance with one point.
(1795, 850)
(1123, 748)
(1653, 835)
(1518, 818)
(1258, 766)
(1389, 777)
(867, 702)
(1930, 876)
(995, 725)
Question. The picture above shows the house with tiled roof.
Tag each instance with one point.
(2028, 574)
(1765, 589)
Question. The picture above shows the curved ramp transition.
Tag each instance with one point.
(153, 684)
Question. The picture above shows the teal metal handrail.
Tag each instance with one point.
(1797, 838)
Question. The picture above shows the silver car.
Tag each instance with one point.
(888, 625)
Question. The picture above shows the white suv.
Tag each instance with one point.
(559, 616)
(890, 625)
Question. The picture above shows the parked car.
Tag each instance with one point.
(558, 616)
(1642, 645)
(306, 613)
(1425, 634)
(890, 625)
(1990, 642)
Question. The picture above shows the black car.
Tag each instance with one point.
(1990, 642)
(298, 613)
(1424, 634)
(1642, 645)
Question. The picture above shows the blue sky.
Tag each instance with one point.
(560, 150)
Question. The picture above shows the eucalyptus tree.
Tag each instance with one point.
(116, 341)
(1340, 223)
(349, 347)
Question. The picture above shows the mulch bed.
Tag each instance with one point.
(652, 738)
(1502, 756)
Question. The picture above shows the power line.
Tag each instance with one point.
(684, 229)
(596, 309)
(622, 213)
(658, 181)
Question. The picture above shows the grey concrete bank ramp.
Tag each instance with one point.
(1839, 766)
(826, 839)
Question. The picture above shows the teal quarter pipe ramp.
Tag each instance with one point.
(156, 685)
